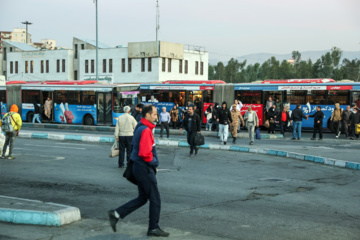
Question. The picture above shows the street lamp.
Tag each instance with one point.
(26, 23)
(97, 47)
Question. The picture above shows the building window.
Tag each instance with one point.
(11, 67)
(143, 64)
(196, 67)
(58, 65)
(92, 65)
(63, 65)
(82, 46)
(47, 66)
(169, 65)
(123, 65)
(4, 55)
(26, 67)
(16, 67)
(31, 66)
(76, 51)
(42, 66)
(149, 64)
(11, 49)
(86, 66)
(129, 64)
(110, 65)
(180, 66)
(104, 65)
(201, 68)
(163, 65)
(186, 67)
(75, 75)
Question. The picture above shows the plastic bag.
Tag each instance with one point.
(257, 133)
(114, 150)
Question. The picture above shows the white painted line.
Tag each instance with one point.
(54, 146)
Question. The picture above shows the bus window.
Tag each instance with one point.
(70, 97)
(88, 98)
(30, 96)
(315, 97)
(249, 97)
(341, 97)
(207, 96)
(3, 96)
(177, 97)
(296, 96)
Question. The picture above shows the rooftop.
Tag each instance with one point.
(21, 46)
(92, 42)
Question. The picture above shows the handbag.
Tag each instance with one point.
(257, 132)
(114, 150)
(357, 128)
(128, 174)
(199, 139)
(267, 124)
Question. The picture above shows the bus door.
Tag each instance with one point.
(355, 98)
(274, 95)
(44, 95)
(104, 107)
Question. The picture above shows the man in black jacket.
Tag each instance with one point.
(296, 116)
(224, 119)
(318, 122)
(192, 125)
(354, 120)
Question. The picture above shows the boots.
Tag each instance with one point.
(234, 140)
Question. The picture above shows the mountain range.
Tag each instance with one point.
(262, 57)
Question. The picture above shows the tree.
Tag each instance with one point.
(211, 72)
(220, 71)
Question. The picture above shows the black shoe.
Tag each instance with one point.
(298, 139)
(157, 233)
(196, 150)
(251, 143)
(224, 143)
(234, 140)
(293, 138)
(121, 166)
(113, 219)
(313, 138)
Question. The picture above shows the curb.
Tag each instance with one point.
(183, 143)
(64, 215)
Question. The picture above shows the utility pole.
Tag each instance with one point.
(26, 23)
(157, 19)
(97, 45)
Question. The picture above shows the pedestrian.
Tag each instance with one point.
(354, 120)
(278, 104)
(139, 113)
(164, 122)
(345, 120)
(180, 115)
(353, 106)
(272, 114)
(318, 123)
(197, 110)
(296, 116)
(48, 107)
(215, 123)
(336, 119)
(124, 132)
(239, 106)
(192, 125)
(10, 137)
(235, 116)
(357, 102)
(144, 170)
(209, 119)
(269, 104)
(224, 119)
(36, 113)
(134, 111)
(252, 120)
(174, 113)
(283, 118)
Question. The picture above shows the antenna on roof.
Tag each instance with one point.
(157, 19)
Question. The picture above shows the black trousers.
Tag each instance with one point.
(124, 147)
(318, 128)
(337, 126)
(166, 126)
(191, 141)
(148, 190)
(174, 124)
(283, 127)
(272, 127)
(346, 128)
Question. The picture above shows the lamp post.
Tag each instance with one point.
(97, 46)
(26, 23)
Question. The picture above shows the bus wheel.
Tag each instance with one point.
(89, 120)
(29, 117)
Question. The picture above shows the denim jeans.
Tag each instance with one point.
(224, 132)
(297, 126)
(208, 125)
(37, 117)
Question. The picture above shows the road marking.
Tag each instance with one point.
(77, 144)
(55, 146)
(53, 158)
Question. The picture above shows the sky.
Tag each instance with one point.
(227, 28)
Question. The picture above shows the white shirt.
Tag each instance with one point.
(239, 106)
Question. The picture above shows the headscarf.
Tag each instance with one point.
(14, 108)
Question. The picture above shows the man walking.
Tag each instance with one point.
(224, 119)
(318, 123)
(283, 119)
(144, 170)
(124, 132)
(164, 122)
(10, 137)
(236, 116)
(239, 106)
(296, 116)
(336, 119)
(252, 120)
(354, 120)
(139, 113)
(345, 120)
(36, 113)
(192, 126)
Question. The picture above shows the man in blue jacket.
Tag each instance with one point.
(144, 169)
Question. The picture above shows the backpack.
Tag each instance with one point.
(6, 126)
